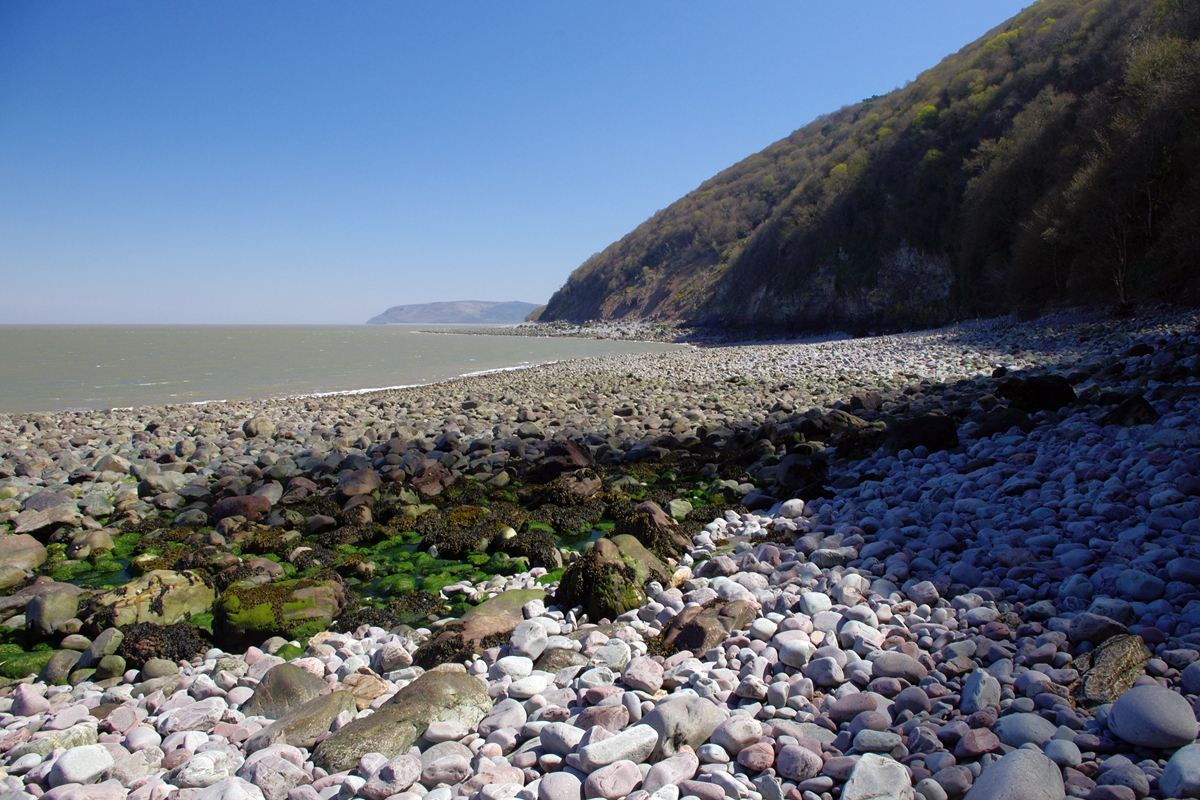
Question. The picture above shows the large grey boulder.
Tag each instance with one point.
(1154, 716)
(440, 695)
(301, 726)
(21, 551)
(878, 778)
(1020, 775)
(1018, 729)
(48, 612)
(1181, 778)
(285, 687)
(682, 720)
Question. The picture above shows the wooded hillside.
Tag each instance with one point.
(1053, 161)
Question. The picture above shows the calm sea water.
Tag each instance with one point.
(61, 367)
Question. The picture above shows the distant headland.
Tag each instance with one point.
(459, 312)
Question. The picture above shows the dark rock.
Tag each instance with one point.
(1134, 411)
(932, 431)
(359, 482)
(560, 457)
(319, 523)
(1001, 419)
(698, 629)
(304, 724)
(432, 478)
(1039, 393)
(1094, 628)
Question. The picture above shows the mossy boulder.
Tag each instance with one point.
(610, 578)
(16, 663)
(161, 596)
(293, 608)
(486, 625)
(440, 695)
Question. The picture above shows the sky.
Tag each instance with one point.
(317, 163)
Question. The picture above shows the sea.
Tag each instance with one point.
(80, 367)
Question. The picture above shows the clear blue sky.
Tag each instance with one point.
(318, 162)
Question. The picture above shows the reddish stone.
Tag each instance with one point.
(253, 507)
(757, 757)
(975, 743)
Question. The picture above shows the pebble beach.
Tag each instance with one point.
(952, 563)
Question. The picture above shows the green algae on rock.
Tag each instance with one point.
(15, 663)
(296, 608)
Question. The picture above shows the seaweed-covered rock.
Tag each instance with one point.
(570, 520)
(654, 528)
(609, 579)
(440, 695)
(459, 531)
(566, 490)
(538, 546)
(1110, 670)
(486, 625)
(146, 640)
(294, 608)
(161, 596)
(357, 534)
